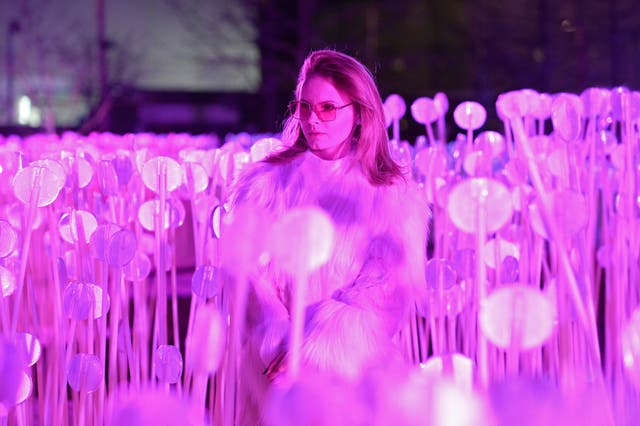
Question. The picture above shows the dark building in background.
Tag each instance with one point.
(468, 49)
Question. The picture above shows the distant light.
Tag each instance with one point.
(567, 26)
(24, 109)
(28, 115)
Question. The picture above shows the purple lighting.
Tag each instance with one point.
(130, 276)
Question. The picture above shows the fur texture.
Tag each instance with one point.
(359, 298)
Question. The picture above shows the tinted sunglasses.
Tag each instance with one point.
(325, 111)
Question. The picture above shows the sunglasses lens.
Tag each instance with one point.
(304, 110)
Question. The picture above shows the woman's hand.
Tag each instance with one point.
(276, 367)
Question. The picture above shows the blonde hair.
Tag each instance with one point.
(371, 142)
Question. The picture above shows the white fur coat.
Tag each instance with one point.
(357, 301)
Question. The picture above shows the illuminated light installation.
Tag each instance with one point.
(532, 286)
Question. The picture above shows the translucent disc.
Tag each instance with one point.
(173, 214)
(23, 391)
(596, 101)
(630, 343)
(501, 247)
(215, 220)
(168, 363)
(240, 160)
(566, 116)
(464, 261)
(302, 240)
(107, 178)
(100, 239)
(160, 169)
(139, 267)
(71, 223)
(424, 110)
(477, 163)
(439, 273)
(11, 370)
(453, 297)
(40, 182)
(456, 367)
(85, 373)
(205, 281)
(541, 108)
(394, 108)
(194, 177)
(442, 102)
(401, 153)
(8, 238)
(85, 172)
(121, 248)
(491, 143)
(469, 197)
(431, 161)
(470, 115)
(510, 270)
(264, 147)
(29, 348)
(123, 167)
(80, 299)
(517, 316)
(7, 281)
(569, 209)
(508, 106)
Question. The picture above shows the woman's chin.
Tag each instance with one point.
(331, 152)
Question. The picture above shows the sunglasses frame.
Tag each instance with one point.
(294, 110)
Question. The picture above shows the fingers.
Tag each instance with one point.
(276, 367)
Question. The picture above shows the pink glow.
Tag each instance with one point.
(92, 330)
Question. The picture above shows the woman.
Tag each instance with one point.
(338, 160)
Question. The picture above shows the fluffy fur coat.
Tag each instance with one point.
(357, 301)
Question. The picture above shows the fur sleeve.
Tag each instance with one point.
(353, 328)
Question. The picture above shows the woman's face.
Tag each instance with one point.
(327, 139)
